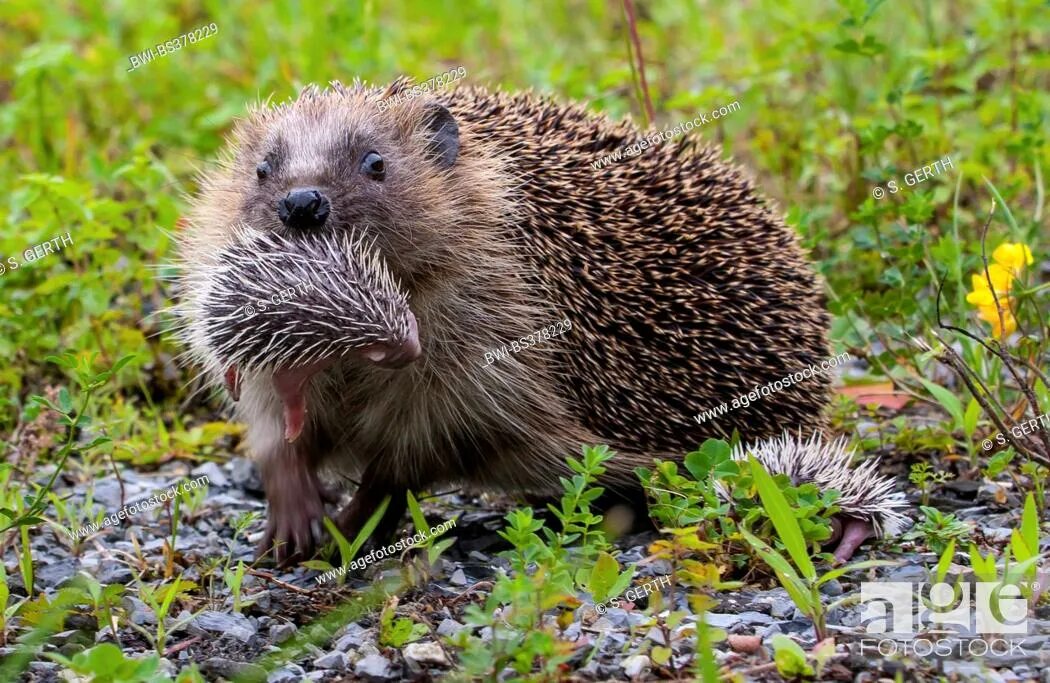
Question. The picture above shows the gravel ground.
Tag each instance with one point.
(610, 646)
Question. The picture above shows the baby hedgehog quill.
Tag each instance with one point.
(454, 224)
(868, 506)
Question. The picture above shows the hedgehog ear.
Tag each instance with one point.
(443, 132)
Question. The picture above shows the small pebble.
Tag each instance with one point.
(745, 644)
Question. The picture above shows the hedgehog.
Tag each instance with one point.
(869, 504)
(341, 304)
(484, 216)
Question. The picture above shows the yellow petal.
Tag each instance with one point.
(1008, 327)
(981, 297)
(1013, 256)
(1001, 277)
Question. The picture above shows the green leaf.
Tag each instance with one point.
(418, 519)
(857, 566)
(790, 658)
(64, 400)
(949, 401)
(1030, 526)
(787, 575)
(945, 560)
(661, 655)
(983, 567)
(973, 412)
(714, 458)
(705, 654)
(604, 573)
(783, 519)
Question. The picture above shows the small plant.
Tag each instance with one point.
(923, 476)
(233, 580)
(803, 585)
(6, 611)
(716, 502)
(400, 631)
(160, 599)
(105, 663)
(937, 529)
(72, 418)
(347, 550)
(431, 544)
(547, 567)
(103, 600)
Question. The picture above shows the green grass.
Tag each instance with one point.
(836, 98)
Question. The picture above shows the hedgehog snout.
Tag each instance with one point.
(397, 354)
(304, 208)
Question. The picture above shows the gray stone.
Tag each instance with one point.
(832, 588)
(421, 655)
(782, 608)
(755, 618)
(107, 493)
(354, 636)
(907, 573)
(656, 635)
(138, 611)
(233, 624)
(282, 632)
(725, 621)
(635, 665)
(289, 673)
(458, 578)
(966, 670)
(375, 667)
(617, 616)
(998, 534)
(572, 632)
(216, 477)
(220, 667)
(54, 574)
(113, 572)
(333, 660)
(449, 627)
(167, 667)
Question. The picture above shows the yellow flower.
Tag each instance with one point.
(982, 295)
(1012, 256)
(989, 315)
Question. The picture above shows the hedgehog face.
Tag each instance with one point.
(304, 188)
(333, 162)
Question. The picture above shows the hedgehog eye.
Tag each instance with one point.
(372, 166)
(263, 170)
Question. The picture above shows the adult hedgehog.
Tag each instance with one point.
(474, 219)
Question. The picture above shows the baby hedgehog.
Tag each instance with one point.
(485, 222)
(868, 505)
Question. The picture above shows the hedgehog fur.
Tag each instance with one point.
(346, 299)
(683, 286)
(865, 494)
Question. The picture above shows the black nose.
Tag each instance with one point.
(303, 208)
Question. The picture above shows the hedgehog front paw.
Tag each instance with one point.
(850, 532)
(294, 527)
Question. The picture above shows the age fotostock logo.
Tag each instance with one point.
(952, 619)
